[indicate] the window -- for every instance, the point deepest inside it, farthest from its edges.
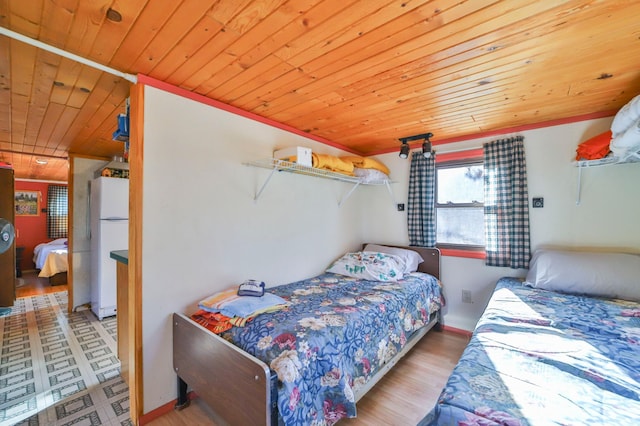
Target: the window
(57, 211)
(460, 204)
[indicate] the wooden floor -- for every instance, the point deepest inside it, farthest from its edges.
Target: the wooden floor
(29, 284)
(402, 397)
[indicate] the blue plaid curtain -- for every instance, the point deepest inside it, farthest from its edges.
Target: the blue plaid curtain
(506, 208)
(421, 212)
(57, 211)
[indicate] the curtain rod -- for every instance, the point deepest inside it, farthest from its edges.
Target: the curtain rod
(474, 147)
(37, 43)
(455, 150)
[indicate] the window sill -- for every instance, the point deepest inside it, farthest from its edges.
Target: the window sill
(472, 254)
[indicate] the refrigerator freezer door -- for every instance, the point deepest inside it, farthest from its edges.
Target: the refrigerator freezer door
(113, 197)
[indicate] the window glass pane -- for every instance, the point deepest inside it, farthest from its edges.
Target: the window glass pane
(463, 184)
(460, 225)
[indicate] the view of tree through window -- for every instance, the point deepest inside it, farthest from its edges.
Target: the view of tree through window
(460, 204)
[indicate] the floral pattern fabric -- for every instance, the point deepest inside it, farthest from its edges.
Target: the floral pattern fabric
(336, 333)
(370, 266)
(539, 357)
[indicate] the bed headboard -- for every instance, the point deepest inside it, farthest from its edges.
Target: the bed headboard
(431, 256)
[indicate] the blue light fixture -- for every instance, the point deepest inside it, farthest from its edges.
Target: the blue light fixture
(122, 132)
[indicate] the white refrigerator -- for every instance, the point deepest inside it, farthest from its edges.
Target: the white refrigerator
(109, 231)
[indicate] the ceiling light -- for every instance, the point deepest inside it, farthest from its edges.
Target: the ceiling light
(426, 146)
(41, 162)
(404, 150)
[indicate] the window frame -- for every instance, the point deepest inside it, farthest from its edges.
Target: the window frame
(452, 160)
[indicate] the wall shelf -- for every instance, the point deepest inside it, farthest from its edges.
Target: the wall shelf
(276, 165)
(606, 161)
(609, 160)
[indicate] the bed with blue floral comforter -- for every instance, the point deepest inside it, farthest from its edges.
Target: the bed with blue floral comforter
(539, 357)
(336, 333)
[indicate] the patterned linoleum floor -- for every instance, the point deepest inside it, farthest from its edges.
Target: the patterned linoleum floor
(58, 368)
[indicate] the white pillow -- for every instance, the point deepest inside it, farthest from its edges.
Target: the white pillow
(369, 266)
(614, 275)
(626, 116)
(627, 142)
(369, 175)
(411, 258)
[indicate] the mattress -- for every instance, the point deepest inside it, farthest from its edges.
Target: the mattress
(538, 357)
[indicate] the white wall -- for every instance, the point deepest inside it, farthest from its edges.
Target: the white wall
(202, 230)
(606, 217)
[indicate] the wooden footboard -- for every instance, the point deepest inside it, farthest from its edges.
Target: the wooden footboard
(233, 383)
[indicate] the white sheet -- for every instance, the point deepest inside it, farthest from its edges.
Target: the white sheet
(41, 251)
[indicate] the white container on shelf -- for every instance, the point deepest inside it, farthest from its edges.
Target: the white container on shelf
(302, 155)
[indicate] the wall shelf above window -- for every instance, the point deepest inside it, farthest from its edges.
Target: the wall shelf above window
(276, 165)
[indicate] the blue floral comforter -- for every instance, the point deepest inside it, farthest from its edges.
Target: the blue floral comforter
(545, 358)
(336, 333)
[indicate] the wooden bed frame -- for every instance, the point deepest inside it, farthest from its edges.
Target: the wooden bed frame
(203, 361)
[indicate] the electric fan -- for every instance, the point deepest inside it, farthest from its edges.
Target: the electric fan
(6, 235)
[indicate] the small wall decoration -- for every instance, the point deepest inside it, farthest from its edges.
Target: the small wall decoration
(27, 203)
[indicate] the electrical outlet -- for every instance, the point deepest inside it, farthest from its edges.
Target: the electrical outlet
(466, 296)
(538, 202)
(400, 207)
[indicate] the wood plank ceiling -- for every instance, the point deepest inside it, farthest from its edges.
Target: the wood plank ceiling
(360, 74)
